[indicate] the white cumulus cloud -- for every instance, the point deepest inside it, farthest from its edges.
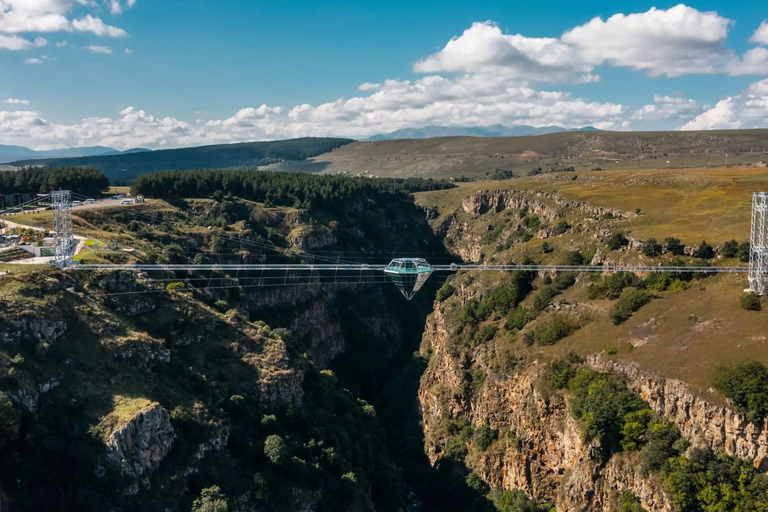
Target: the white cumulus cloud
(98, 27)
(667, 107)
(761, 34)
(20, 43)
(99, 49)
(15, 101)
(116, 6)
(748, 109)
(33, 61)
(464, 101)
(45, 16)
(672, 42)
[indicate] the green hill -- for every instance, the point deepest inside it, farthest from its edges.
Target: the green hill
(123, 168)
(444, 157)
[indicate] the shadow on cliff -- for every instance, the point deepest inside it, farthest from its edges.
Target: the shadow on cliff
(391, 384)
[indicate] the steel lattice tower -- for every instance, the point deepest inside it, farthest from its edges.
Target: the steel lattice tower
(62, 227)
(758, 244)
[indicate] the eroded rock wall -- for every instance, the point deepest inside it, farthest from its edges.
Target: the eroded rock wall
(547, 457)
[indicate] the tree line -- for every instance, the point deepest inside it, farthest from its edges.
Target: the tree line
(298, 190)
(37, 180)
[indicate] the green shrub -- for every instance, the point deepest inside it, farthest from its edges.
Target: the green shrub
(476, 483)
(611, 286)
(485, 437)
(633, 433)
(544, 298)
(554, 330)
(602, 404)
(746, 384)
(630, 503)
(677, 286)
(617, 241)
(658, 281)
(455, 449)
(574, 258)
(561, 227)
(175, 286)
(532, 222)
(275, 449)
(517, 319)
(478, 379)
(516, 501)
(445, 291)
(631, 300)
(750, 301)
(546, 248)
(549, 292)
(706, 482)
(221, 305)
(211, 500)
(560, 372)
(485, 334)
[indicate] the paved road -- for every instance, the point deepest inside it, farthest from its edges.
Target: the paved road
(99, 203)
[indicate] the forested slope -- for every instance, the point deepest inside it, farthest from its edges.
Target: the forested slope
(123, 168)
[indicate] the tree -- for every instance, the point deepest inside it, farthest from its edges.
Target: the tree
(704, 251)
(746, 384)
(674, 246)
(484, 437)
(561, 227)
(275, 449)
(744, 249)
(574, 258)
(631, 300)
(211, 500)
(731, 249)
(617, 241)
(630, 503)
(651, 248)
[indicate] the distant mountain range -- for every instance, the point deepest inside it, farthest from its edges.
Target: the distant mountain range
(495, 130)
(14, 153)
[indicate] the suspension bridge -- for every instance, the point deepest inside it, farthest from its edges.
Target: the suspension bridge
(409, 274)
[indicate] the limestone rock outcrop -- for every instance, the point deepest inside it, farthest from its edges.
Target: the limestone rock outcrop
(140, 445)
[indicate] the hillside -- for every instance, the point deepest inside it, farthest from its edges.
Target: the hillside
(428, 132)
(142, 399)
(497, 392)
(584, 151)
(123, 168)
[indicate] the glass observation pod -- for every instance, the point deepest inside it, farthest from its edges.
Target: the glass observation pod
(409, 274)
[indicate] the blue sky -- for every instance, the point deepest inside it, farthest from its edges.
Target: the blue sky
(174, 73)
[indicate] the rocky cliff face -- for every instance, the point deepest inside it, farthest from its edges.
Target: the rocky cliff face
(545, 455)
(546, 205)
(704, 424)
(142, 443)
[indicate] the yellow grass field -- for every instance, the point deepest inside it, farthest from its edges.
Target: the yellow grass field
(692, 204)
